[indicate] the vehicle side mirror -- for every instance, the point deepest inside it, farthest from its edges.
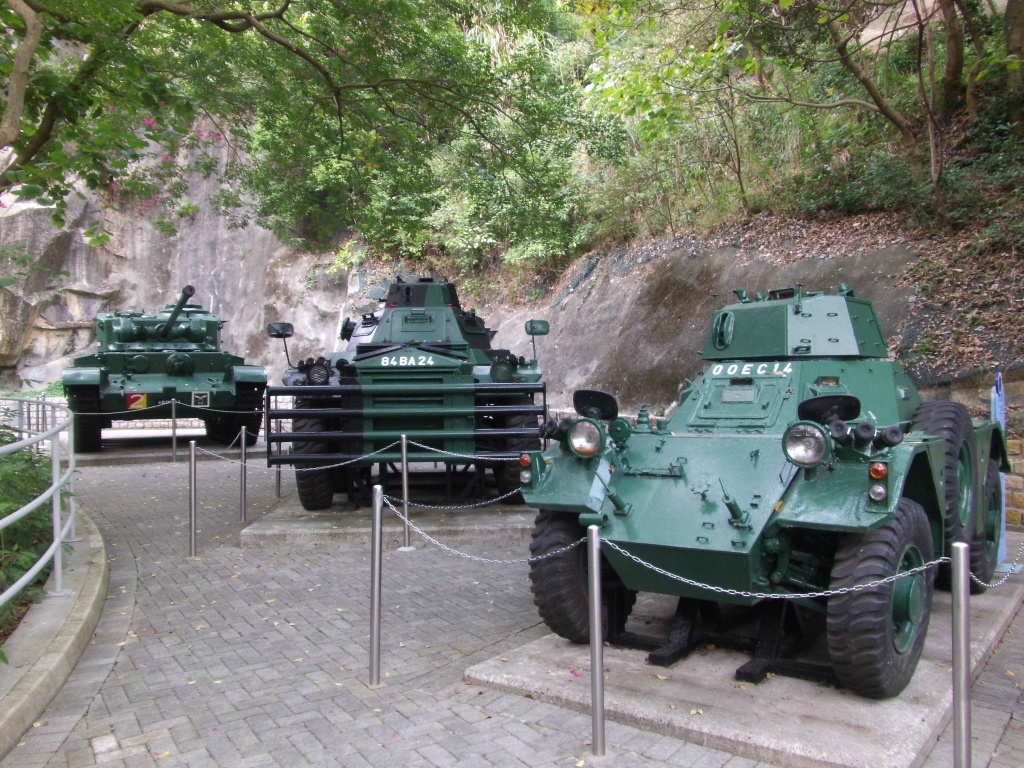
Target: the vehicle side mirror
(347, 328)
(595, 404)
(280, 330)
(537, 328)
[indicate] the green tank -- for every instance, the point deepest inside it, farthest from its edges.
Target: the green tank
(420, 366)
(145, 361)
(802, 461)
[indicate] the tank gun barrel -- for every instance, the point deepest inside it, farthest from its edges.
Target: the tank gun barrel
(186, 293)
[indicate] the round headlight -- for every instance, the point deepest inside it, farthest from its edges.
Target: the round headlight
(501, 371)
(806, 444)
(585, 437)
(319, 373)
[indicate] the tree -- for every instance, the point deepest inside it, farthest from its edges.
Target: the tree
(318, 98)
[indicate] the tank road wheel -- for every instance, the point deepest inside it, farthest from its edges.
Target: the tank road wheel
(507, 474)
(84, 401)
(985, 542)
(315, 486)
(559, 582)
(952, 422)
(875, 635)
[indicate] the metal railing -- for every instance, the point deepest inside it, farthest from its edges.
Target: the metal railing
(46, 428)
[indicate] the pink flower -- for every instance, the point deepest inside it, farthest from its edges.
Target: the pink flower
(166, 159)
(113, 186)
(111, 107)
(157, 198)
(220, 136)
(149, 122)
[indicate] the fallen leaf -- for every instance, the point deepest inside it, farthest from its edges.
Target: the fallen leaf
(661, 677)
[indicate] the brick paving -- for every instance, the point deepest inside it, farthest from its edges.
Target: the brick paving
(259, 657)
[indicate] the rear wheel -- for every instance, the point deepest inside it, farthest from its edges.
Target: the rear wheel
(876, 634)
(315, 485)
(952, 422)
(987, 529)
(84, 402)
(559, 581)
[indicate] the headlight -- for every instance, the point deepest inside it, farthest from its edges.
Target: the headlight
(806, 444)
(319, 373)
(525, 477)
(585, 437)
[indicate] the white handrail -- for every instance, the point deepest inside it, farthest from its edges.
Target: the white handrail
(49, 426)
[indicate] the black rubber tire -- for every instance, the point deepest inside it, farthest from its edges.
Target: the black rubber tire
(315, 486)
(84, 402)
(987, 529)
(876, 635)
(952, 422)
(559, 582)
(506, 475)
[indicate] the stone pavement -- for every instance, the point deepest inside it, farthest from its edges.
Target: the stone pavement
(259, 656)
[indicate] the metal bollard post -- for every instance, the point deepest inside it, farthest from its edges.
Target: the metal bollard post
(405, 495)
(961, 656)
(242, 479)
(58, 553)
(375, 563)
(596, 641)
(277, 471)
(174, 431)
(192, 498)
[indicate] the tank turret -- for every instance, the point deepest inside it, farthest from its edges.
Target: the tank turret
(164, 331)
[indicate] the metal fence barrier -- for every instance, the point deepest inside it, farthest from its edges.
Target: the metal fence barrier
(41, 426)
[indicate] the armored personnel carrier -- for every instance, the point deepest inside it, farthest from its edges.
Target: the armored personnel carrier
(802, 463)
(145, 361)
(420, 366)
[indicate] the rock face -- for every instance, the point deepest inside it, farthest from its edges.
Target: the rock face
(630, 321)
(245, 276)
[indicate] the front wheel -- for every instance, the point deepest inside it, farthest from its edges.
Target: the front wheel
(314, 485)
(876, 634)
(559, 581)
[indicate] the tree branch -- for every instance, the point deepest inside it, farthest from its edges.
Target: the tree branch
(17, 82)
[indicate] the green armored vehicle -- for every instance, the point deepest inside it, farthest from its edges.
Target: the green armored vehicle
(145, 361)
(801, 462)
(420, 366)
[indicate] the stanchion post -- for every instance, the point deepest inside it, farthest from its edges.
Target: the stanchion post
(596, 641)
(961, 656)
(405, 493)
(174, 430)
(375, 563)
(242, 480)
(192, 498)
(277, 472)
(58, 552)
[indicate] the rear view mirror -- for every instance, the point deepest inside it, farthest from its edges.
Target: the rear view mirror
(537, 327)
(280, 330)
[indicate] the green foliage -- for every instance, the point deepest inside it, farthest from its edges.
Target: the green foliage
(24, 475)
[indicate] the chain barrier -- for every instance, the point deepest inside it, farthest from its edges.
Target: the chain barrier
(299, 469)
(449, 507)
(445, 453)
(452, 551)
(197, 409)
(1007, 575)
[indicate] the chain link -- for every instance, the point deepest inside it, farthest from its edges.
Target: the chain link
(444, 507)
(458, 553)
(773, 595)
(448, 453)
(197, 410)
(301, 469)
(1007, 575)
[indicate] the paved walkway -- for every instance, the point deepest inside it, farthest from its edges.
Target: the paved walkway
(258, 657)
